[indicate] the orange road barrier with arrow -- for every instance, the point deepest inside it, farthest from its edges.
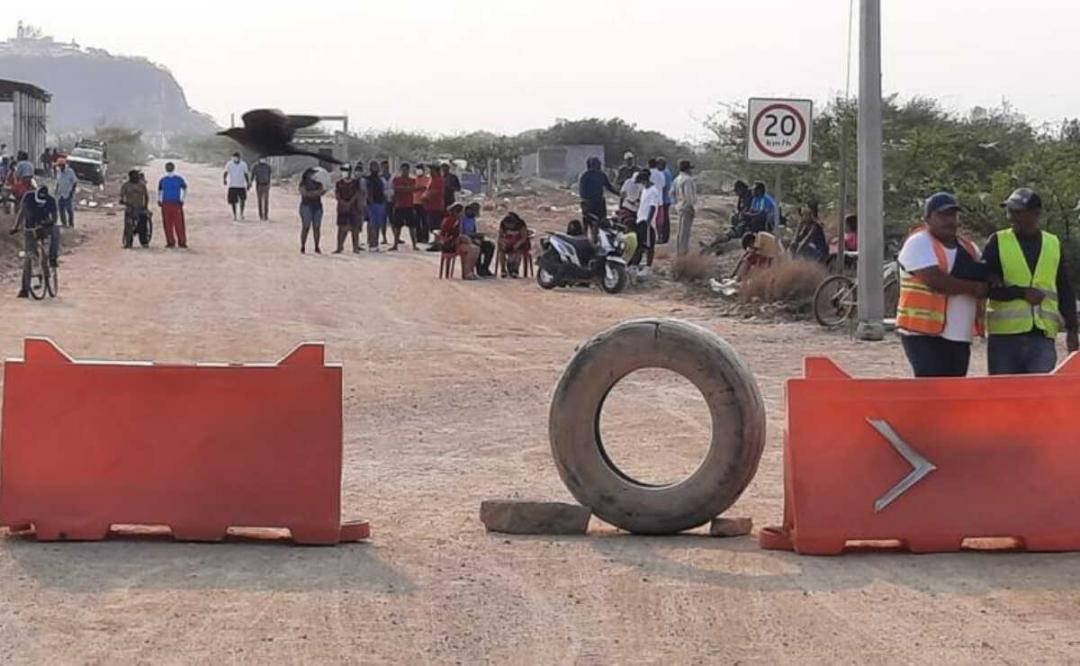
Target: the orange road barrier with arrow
(87, 445)
(929, 463)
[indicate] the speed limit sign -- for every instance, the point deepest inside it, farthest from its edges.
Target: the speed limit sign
(779, 131)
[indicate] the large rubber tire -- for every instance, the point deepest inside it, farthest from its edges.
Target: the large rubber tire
(729, 389)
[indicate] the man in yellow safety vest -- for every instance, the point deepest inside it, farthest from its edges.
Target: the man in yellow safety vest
(1031, 298)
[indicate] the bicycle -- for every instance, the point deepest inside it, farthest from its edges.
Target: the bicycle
(836, 298)
(44, 278)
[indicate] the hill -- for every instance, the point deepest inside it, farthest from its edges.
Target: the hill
(92, 87)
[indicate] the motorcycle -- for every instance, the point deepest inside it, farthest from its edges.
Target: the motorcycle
(567, 261)
(138, 222)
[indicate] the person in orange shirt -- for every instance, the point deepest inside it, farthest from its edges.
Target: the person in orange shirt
(421, 185)
(453, 240)
(435, 198)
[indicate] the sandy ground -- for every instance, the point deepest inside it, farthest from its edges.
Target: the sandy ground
(447, 390)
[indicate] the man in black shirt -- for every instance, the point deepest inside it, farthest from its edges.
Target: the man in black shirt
(1021, 328)
(452, 187)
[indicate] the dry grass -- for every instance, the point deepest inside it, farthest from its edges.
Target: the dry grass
(789, 281)
(693, 268)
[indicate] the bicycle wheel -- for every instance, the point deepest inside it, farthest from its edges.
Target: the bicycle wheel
(37, 265)
(834, 300)
(52, 280)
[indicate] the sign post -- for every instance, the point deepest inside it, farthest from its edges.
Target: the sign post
(871, 203)
(779, 131)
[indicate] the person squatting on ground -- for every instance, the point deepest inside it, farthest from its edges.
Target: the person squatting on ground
(262, 174)
(311, 209)
(685, 198)
(453, 240)
(1031, 297)
(237, 180)
(810, 242)
(347, 192)
(942, 292)
(135, 199)
(66, 185)
(376, 205)
(591, 187)
(404, 215)
(760, 251)
(37, 219)
(514, 244)
(471, 231)
(172, 190)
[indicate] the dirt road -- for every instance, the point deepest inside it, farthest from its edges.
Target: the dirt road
(447, 387)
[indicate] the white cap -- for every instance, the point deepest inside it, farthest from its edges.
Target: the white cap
(627, 155)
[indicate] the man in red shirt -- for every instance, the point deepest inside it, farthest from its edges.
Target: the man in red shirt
(404, 187)
(435, 199)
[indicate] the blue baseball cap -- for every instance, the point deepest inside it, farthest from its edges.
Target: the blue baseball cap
(940, 202)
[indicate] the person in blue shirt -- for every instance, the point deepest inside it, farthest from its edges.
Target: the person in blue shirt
(172, 188)
(663, 218)
(37, 218)
(764, 213)
(591, 188)
(487, 248)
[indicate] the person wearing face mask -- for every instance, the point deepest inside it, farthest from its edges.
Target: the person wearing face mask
(237, 178)
(262, 173)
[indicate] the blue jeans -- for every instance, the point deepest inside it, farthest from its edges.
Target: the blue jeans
(1022, 354)
(66, 210)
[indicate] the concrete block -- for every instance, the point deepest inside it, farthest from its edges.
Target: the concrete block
(518, 517)
(730, 527)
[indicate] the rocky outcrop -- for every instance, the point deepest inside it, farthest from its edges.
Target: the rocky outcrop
(93, 88)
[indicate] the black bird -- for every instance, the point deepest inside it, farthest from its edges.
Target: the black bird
(270, 132)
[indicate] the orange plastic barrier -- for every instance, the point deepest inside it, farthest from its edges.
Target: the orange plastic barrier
(930, 462)
(199, 448)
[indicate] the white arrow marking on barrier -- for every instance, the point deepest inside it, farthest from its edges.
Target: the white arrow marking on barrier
(921, 465)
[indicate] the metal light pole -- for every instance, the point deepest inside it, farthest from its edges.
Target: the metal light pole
(871, 195)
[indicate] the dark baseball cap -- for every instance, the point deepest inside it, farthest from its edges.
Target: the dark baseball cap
(940, 202)
(1021, 199)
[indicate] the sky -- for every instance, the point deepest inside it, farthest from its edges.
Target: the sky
(461, 65)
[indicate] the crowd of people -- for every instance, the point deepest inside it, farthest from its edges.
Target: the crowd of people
(418, 199)
(1016, 289)
(646, 196)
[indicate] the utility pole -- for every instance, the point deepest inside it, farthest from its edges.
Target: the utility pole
(871, 195)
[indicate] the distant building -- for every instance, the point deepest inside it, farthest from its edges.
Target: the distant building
(562, 164)
(29, 116)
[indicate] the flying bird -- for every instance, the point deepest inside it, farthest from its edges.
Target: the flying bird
(270, 132)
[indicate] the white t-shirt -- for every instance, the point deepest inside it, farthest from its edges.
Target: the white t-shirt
(652, 197)
(236, 174)
(631, 192)
(656, 176)
(918, 254)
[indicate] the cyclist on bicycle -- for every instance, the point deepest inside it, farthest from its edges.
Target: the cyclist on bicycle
(37, 218)
(136, 201)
